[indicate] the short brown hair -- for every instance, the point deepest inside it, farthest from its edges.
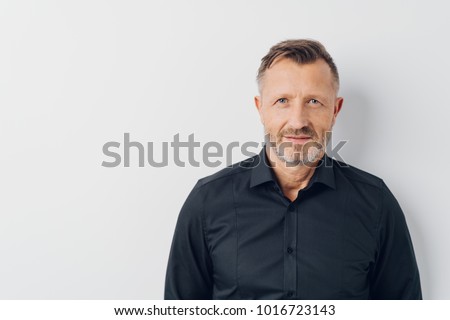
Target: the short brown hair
(302, 51)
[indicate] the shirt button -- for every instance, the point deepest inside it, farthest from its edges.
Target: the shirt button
(290, 250)
(290, 294)
(291, 208)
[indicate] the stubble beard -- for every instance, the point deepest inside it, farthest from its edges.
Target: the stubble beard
(292, 154)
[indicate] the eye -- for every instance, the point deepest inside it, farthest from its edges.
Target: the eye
(314, 101)
(282, 100)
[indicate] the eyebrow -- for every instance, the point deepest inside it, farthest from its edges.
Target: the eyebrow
(288, 95)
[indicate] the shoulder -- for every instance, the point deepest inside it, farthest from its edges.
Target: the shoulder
(238, 169)
(368, 188)
(357, 176)
(216, 190)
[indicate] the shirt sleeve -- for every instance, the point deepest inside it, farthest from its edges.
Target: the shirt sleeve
(189, 270)
(395, 274)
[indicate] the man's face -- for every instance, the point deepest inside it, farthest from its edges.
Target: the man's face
(297, 106)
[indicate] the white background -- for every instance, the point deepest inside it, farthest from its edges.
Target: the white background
(77, 74)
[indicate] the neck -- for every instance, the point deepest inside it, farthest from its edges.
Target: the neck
(290, 178)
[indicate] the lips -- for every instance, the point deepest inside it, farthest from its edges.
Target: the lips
(297, 139)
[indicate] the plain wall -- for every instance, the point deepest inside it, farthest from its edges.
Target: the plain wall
(77, 74)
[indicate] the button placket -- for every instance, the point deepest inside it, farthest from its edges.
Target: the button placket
(290, 258)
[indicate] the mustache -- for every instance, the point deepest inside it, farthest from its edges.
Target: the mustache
(307, 131)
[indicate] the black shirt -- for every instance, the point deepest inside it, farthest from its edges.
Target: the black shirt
(239, 237)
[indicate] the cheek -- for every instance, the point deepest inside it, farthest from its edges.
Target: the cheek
(273, 126)
(275, 120)
(323, 121)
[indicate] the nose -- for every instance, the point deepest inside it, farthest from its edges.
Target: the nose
(298, 117)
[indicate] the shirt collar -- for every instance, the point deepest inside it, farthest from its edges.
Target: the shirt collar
(262, 171)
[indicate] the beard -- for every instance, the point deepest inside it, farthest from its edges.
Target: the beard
(294, 154)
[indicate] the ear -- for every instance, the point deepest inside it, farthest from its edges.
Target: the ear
(258, 105)
(337, 107)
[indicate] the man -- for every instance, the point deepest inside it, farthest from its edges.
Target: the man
(292, 223)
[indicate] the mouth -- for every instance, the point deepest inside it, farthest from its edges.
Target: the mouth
(297, 139)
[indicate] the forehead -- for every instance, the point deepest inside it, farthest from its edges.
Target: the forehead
(285, 74)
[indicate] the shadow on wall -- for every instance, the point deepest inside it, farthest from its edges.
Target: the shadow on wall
(353, 125)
